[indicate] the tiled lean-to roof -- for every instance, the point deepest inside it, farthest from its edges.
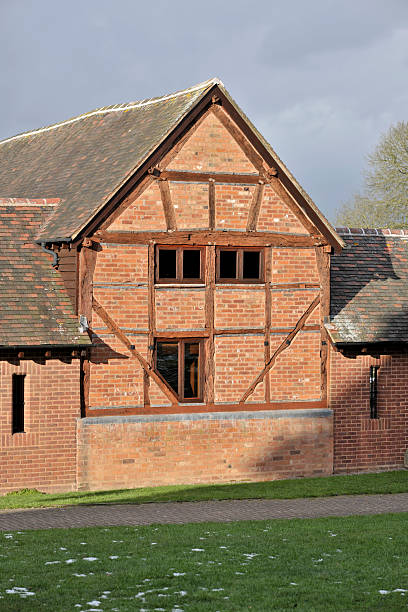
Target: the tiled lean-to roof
(84, 160)
(369, 287)
(35, 309)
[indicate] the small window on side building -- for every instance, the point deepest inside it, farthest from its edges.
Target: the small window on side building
(18, 403)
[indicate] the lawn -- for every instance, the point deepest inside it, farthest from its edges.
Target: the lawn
(345, 564)
(385, 482)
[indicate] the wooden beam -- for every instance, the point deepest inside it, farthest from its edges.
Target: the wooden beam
(151, 308)
(87, 262)
(204, 238)
(203, 177)
(268, 316)
(242, 331)
(211, 204)
(115, 329)
(255, 207)
(205, 408)
(169, 212)
(323, 265)
(284, 345)
(238, 136)
(209, 369)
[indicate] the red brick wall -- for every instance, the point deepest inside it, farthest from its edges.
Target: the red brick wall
(183, 450)
(43, 457)
(361, 443)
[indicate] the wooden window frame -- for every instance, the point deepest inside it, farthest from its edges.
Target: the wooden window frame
(179, 265)
(181, 343)
(240, 266)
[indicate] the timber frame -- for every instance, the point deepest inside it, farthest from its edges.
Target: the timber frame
(319, 238)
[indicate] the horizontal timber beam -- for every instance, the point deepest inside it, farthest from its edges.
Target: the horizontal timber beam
(203, 238)
(207, 408)
(204, 177)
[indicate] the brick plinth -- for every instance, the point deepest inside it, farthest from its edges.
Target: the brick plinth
(120, 452)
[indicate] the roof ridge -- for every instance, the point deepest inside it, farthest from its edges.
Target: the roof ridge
(372, 231)
(29, 201)
(116, 108)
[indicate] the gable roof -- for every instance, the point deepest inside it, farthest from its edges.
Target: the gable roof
(369, 287)
(35, 309)
(85, 160)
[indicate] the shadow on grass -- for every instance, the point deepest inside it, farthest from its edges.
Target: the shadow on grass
(387, 482)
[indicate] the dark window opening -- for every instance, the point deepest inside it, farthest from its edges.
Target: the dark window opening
(251, 267)
(180, 364)
(167, 363)
(373, 392)
(191, 369)
(18, 403)
(240, 265)
(179, 265)
(168, 263)
(191, 263)
(228, 264)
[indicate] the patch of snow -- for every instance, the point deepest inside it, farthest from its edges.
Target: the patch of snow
(79, 575)
(179, 573)
(383, 592)
(90, 559)
(51, 562)
(70, 561)
(197, 550)
(21, 591)
(114, 557)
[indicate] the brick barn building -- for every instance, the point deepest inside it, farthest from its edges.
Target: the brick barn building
(175, 309)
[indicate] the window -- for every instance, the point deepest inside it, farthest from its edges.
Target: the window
(18, 403)
(179, 265)
(240, 265)
(373, 392)
(180, 363)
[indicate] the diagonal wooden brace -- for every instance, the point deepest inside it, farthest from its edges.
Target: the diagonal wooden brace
(115, 329)
(284, 345)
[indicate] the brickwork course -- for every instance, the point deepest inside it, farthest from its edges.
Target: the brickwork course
(270, 358)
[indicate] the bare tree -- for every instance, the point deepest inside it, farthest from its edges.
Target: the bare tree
(384, 202)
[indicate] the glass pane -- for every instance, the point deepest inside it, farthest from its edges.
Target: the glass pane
(167, 263)
(167, 363)
(251, 264)
(191, 264)
(228, 264)
(191, 370)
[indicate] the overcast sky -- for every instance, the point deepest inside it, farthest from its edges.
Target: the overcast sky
(320, 79)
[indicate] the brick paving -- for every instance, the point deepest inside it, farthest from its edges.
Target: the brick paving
(197, 512)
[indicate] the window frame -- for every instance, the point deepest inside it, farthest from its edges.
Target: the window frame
(181, 351)
(179, 279)
(240, 266)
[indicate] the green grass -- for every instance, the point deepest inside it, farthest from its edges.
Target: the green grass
(322, 564)
(385, 482)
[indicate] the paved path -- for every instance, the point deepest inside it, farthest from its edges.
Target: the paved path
(198, 512)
